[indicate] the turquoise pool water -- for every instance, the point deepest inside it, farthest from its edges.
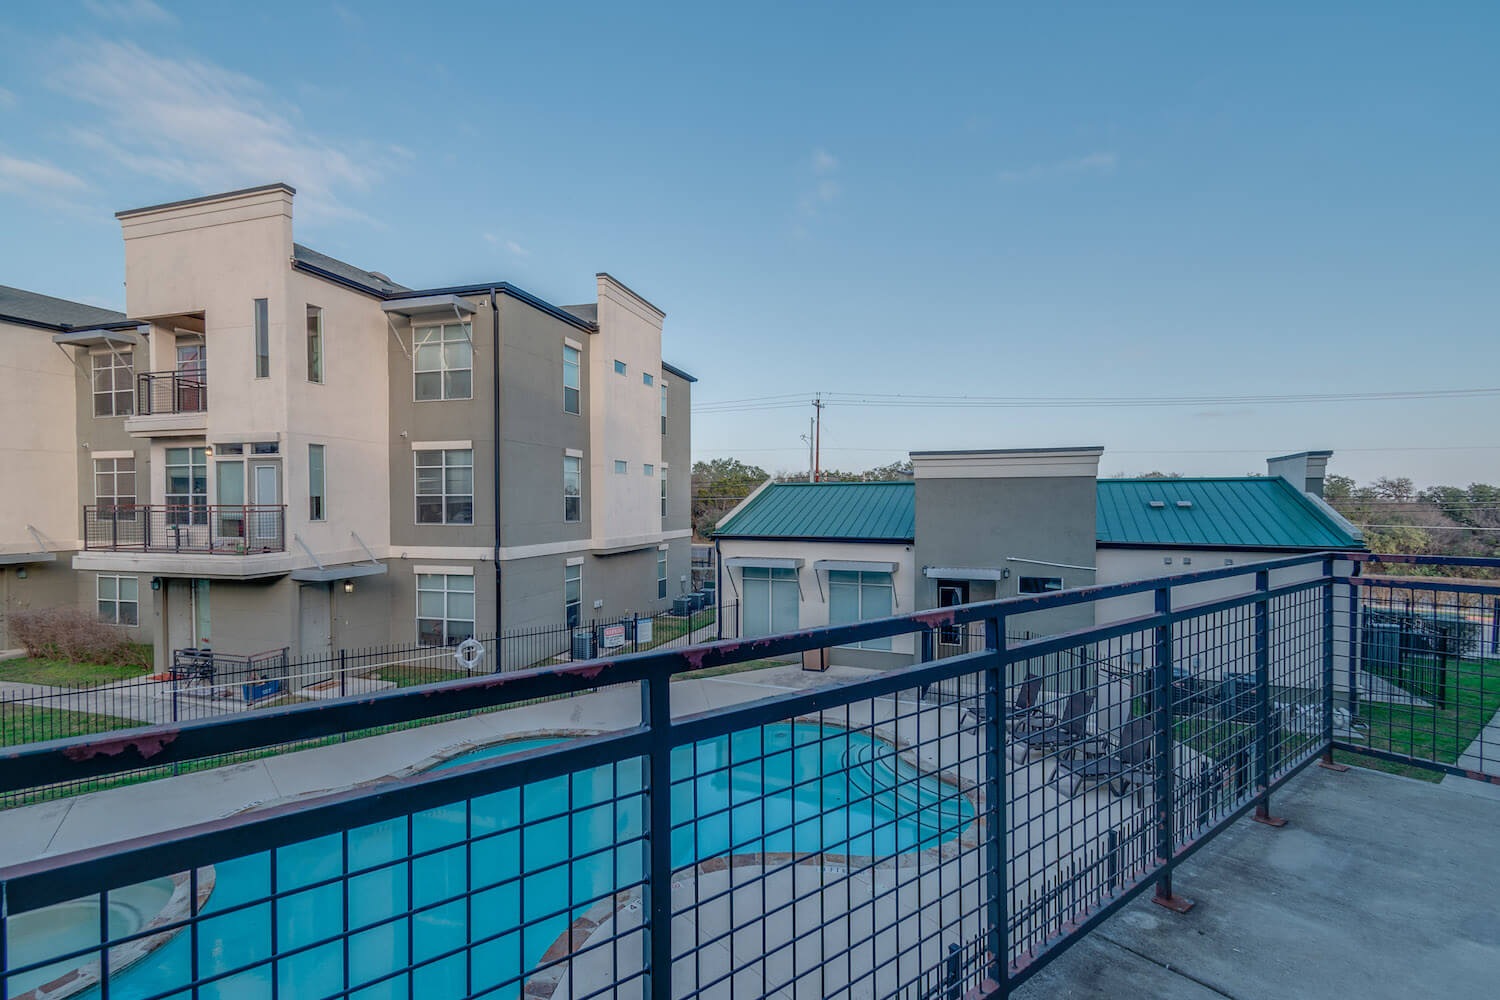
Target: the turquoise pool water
(780, 788)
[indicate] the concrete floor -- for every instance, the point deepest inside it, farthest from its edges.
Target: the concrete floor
(1379, 886)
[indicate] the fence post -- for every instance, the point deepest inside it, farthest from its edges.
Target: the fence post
(1263, 702)
(1328, 651)
(343, 675)
(955, 972)
(1353, 655)
(1165, 759)
(656, 716)
(998, 870)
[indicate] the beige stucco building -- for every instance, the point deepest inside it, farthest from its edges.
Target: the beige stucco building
(272, 448)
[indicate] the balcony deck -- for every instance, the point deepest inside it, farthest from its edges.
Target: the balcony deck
(1378, 886)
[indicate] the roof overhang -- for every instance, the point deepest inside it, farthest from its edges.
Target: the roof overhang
(428, 305)
(857, 565)
(98, 336)
(23, 558)
(331, 574)
(762, 562)
(674, 370)
(964, 573)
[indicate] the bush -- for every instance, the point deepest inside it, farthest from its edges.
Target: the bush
(74, 634)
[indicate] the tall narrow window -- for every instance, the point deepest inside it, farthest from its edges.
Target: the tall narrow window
(229, 481)
(314, 344)
(445, 608)
(573, 594)
(572, 488)
(114, 488)
(262, 338)
(443, 367)
(661, 573)
(664, 408)
(445, 486)
(187, 486)
(317, 509)
(664, 492)
(114, 396)
(571, 384)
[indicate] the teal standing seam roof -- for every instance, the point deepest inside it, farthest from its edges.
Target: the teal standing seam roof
(1249, 512)
(868, 512)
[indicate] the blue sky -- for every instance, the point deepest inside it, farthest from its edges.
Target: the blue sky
(996, 200)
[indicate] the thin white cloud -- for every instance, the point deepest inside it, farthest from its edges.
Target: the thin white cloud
(517, 249)
(34, 175)
(178, 119)
(491, 238)
(1092, 163)
(8, 99)
(138, 11)
(824, 162)
(825, 188)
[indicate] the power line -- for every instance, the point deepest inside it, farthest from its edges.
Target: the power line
(1428, 527)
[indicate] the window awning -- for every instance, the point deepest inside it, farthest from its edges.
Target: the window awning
(963, 573)
(424, 305)
(763, 562)
(330, 574)
(22, 558)
(96, 337)
(856, 565)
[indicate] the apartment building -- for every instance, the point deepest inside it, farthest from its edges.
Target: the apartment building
(279, 449)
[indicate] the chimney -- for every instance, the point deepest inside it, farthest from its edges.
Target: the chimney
(1304, 470)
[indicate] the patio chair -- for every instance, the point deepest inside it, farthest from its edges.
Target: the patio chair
(1071, 733)
(1025, 713)
(1130, 764)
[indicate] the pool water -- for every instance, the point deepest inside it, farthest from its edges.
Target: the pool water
(785, 787)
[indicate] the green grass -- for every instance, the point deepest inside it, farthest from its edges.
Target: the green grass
(66, 673)
(731, 668)
(404, 675)
(668, 628)
(1437, 734)
(21, 723)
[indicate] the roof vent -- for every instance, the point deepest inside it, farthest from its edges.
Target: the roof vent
(1184, 505)
(1156, 504)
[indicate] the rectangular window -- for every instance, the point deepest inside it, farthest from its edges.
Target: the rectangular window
(647, 468)
(119, 600)
(664, 492)
(573, 595)
(664, 408)
(317, 509)
(445, 609)
(859, 597)
(769, 600)
(571, 383)
(114, 394)
(262, 339)
(647, 378)
(187, 485)
(114, 487)
(572, 488)
(265, 448)
(1039, 584)
(621, 467)
(445, 486)
(619, 368)
(661, 573)
(229, 449)
(314, 344)
(443, 366)
(229, 481)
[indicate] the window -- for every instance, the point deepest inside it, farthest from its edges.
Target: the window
(647, 378)
(664, 492)
(621, 467)
(113, 393)
(317, 509)
(114, 487)
(619, 368)
(572, 488)
(314, 344)
(262, 339)
(1039, 584)
(769, 599)
(187, 485)
(571, 383)
(119, 600)
(229, 480)
(445, 486)
(265, 448)
(661, 573)
(229, 449)
(573, 594)
(858, 597)
(664, 408)
(647, 468)
(445, 609)
(443, 367)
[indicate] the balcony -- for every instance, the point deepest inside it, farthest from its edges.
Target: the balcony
(203, 529)
(169, 404)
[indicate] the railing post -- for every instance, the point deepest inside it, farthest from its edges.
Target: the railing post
(1164, 758)
(1263, 702)
(1328, 656)
(656, 716)
(996, 865)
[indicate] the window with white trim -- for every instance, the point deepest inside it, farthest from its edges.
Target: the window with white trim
(572, 372)
(317, 504)
(619, 368)
(314, 344)
(445, 486)
(647, 378)
(661, 573)
(114, 487)
(857, 597)
(572, 488)
(647, 468)
(119, 600)
(262, 338)
(445, 608)
(114, 390)
(187, 485)
(663, 492)
(573, 594)
(443, 362)
(621, 467)
(664, 408)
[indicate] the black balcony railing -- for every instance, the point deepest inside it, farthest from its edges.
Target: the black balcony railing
(157, 393)
(203, 529)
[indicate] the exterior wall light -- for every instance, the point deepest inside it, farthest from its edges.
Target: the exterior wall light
(348, 586)
(21, 573)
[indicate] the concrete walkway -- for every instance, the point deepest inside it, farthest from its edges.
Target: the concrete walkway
(1483, 755)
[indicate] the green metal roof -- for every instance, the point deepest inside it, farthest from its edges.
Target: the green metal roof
(867, 512)
(1253, 512)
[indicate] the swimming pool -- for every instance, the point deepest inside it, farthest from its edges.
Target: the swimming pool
(785, 787)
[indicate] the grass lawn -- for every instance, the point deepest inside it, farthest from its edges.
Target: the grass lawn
(65, 673)
(1436, 734)
(731, 668)
(405, 675)
(33, 724)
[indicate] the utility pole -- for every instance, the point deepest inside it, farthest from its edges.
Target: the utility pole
(817, 436)
(808, 437)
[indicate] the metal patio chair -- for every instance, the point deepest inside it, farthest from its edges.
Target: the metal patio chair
(1129, 764)
(1071, 733)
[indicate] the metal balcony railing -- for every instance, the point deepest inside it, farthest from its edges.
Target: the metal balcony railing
(158, 393)
(201, 529)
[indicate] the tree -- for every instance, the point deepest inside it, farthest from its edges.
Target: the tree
(1398, 489)
(718, 485)
(1336, 488)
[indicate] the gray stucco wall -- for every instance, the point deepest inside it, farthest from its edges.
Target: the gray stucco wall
(984, 523)
(677, 452)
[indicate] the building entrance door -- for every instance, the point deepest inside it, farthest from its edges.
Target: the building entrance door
(952, 593)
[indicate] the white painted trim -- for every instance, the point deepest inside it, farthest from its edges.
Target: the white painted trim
(1056, 565)
(573, 452)
(1006, 465)
(478, 553)
(663, 547)
(575, 561)
(112, 454)
(444, 570)
(441, 445)
(573, 344)
(587, 544)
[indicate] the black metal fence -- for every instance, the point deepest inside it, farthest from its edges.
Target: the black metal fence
(201, 529)
(857, 839)
(170, 392)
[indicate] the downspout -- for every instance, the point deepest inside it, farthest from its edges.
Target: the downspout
(495, 448)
